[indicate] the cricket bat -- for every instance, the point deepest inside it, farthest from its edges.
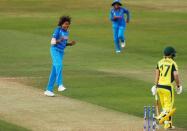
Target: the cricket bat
(167, 116)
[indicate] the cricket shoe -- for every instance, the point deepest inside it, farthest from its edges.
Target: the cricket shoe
(168, 125)
(49, 93)
(123, 44)
(61, 88)
(162, 114)
(166, 116)
(118, 51)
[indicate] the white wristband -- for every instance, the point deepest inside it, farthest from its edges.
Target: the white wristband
(53, 41)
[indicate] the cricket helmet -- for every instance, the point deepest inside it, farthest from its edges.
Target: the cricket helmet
(169, 51)
(116, 2)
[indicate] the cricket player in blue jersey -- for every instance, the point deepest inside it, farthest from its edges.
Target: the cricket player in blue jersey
(117, 16)
(59, 42)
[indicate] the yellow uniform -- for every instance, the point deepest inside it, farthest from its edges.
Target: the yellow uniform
(166, 74)
(165, 88)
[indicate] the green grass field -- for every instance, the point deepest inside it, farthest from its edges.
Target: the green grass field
(92, 71)
(5, 126)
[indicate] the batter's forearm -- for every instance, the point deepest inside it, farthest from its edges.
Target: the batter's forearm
(156, 77)
(156, 80)
(177, 80)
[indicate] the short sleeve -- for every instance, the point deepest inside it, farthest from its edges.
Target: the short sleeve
(125, 10)
(174, 67)
(157, 66)
(56, 33)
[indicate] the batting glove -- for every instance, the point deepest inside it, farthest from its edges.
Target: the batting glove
(179, 90)
(153, 90)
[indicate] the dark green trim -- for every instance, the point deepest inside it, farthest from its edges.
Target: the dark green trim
(164, 86)
(172, 71)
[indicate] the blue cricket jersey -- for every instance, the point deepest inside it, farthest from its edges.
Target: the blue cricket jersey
(120, 12)
(58, 34)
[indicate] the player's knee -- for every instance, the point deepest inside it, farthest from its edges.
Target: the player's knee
(120, 36)
(58, 65)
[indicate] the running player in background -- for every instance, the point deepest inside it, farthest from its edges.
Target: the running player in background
(166, 74)
(117, 16)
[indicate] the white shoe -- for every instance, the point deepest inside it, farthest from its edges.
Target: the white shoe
(168, 125)
(61, 88)
(123, 44)
(172, 128)
(49, 93)
(118, 51)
